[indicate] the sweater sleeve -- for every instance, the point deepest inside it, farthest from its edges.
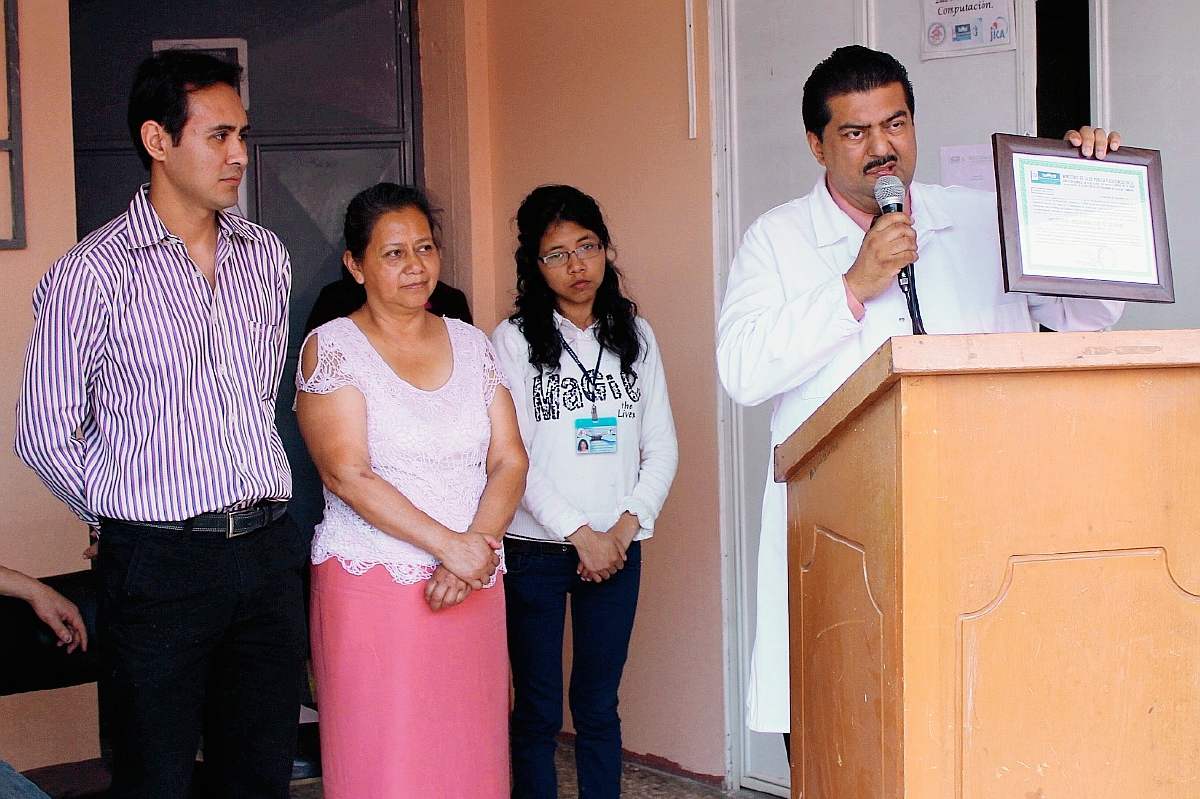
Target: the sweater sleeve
(657, 441)
(1066, 314)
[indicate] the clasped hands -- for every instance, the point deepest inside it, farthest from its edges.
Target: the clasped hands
(602, 554)
(891, 244)
(468, 561)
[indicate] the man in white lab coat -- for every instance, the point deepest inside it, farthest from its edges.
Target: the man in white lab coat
(813, 292)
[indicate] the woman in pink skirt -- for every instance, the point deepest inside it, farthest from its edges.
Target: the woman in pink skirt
(410, 423)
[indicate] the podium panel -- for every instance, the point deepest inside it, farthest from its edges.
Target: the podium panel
(994, 565)
(1092, 655)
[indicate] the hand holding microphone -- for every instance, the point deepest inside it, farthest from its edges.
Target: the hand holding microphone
(888, 251)
(889, 246)
(889, 193)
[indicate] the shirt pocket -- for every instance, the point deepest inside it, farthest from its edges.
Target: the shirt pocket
(256, 350)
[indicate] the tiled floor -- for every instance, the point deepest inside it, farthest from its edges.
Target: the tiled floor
(637, 783)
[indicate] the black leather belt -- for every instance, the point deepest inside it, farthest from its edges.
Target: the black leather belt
(525, 546)
(230, 524)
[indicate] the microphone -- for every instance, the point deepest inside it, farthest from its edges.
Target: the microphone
(889, 193)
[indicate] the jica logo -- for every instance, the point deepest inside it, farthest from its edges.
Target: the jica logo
(999, 30)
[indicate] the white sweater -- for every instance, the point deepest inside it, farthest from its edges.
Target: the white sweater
(566, 490)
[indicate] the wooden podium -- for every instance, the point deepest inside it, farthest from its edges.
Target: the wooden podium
(994, 571)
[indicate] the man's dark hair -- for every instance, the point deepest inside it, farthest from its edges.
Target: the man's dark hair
(161, 88)
(849, 70)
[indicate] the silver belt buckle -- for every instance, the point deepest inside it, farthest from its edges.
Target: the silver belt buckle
(229, 533)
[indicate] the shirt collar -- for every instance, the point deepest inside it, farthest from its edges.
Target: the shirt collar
(568, 331)
(858, 217)
(928, 213)
(146, 228)
(237, 226)
(831, 223)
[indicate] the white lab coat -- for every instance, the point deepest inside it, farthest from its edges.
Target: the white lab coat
(786, 334)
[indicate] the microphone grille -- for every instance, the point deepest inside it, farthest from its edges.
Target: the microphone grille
(889, 190)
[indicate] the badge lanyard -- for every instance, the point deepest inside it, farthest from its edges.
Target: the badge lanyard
(589, 393)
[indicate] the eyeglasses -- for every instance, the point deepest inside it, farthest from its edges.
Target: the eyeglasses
(583, 252)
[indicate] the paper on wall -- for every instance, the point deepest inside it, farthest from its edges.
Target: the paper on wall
(966, 27)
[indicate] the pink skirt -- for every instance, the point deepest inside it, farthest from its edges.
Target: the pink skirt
(413, 703)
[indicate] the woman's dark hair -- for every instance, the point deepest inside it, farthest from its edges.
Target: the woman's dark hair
(616, 330)
(849, 70)
(161, 88)
(370, 204)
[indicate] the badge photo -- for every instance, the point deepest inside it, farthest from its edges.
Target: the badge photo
(595, 436)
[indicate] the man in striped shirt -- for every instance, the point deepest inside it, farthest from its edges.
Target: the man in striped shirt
(148, 406)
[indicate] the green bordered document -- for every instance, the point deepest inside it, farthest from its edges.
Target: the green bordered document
(1082, 227)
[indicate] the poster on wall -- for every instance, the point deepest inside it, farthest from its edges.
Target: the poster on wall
(969, 165)
(966, 27)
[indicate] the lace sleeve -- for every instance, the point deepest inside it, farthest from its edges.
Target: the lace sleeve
(493, 372)
(330, 373)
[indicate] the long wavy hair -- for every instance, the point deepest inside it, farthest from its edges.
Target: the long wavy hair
(616, 330)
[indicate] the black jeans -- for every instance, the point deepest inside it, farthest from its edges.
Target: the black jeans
(200, 632)
(536, 588)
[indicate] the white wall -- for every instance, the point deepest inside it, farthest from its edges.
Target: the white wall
(1155, 103)
(776, 45)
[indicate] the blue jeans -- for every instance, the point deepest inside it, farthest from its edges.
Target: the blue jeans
(536, 589)
(199, 632)
(14, 786)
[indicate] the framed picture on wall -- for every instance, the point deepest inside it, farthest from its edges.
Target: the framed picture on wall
(1082, 227)
(232, 50)
(12, 172)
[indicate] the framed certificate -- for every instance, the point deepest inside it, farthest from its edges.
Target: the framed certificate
(1081, 227)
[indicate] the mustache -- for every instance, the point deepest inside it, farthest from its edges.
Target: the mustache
(878, 162)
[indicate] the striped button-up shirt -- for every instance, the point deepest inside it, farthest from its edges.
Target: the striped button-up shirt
(149, 395)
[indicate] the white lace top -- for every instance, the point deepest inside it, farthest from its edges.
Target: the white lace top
(431, 445)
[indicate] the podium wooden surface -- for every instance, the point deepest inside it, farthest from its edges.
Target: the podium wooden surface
(994, 571)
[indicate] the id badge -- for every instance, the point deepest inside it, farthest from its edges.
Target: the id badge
(595, 436)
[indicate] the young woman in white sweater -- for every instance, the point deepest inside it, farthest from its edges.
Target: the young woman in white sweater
(591, 398)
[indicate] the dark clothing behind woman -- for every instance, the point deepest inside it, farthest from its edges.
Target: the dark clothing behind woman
(345, 296)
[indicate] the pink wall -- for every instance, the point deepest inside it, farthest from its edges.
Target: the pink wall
(454, 83)
(38, 535)
(596, 95)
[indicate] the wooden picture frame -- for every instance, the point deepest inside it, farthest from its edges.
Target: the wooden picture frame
(12, 184)
(1082, 227)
